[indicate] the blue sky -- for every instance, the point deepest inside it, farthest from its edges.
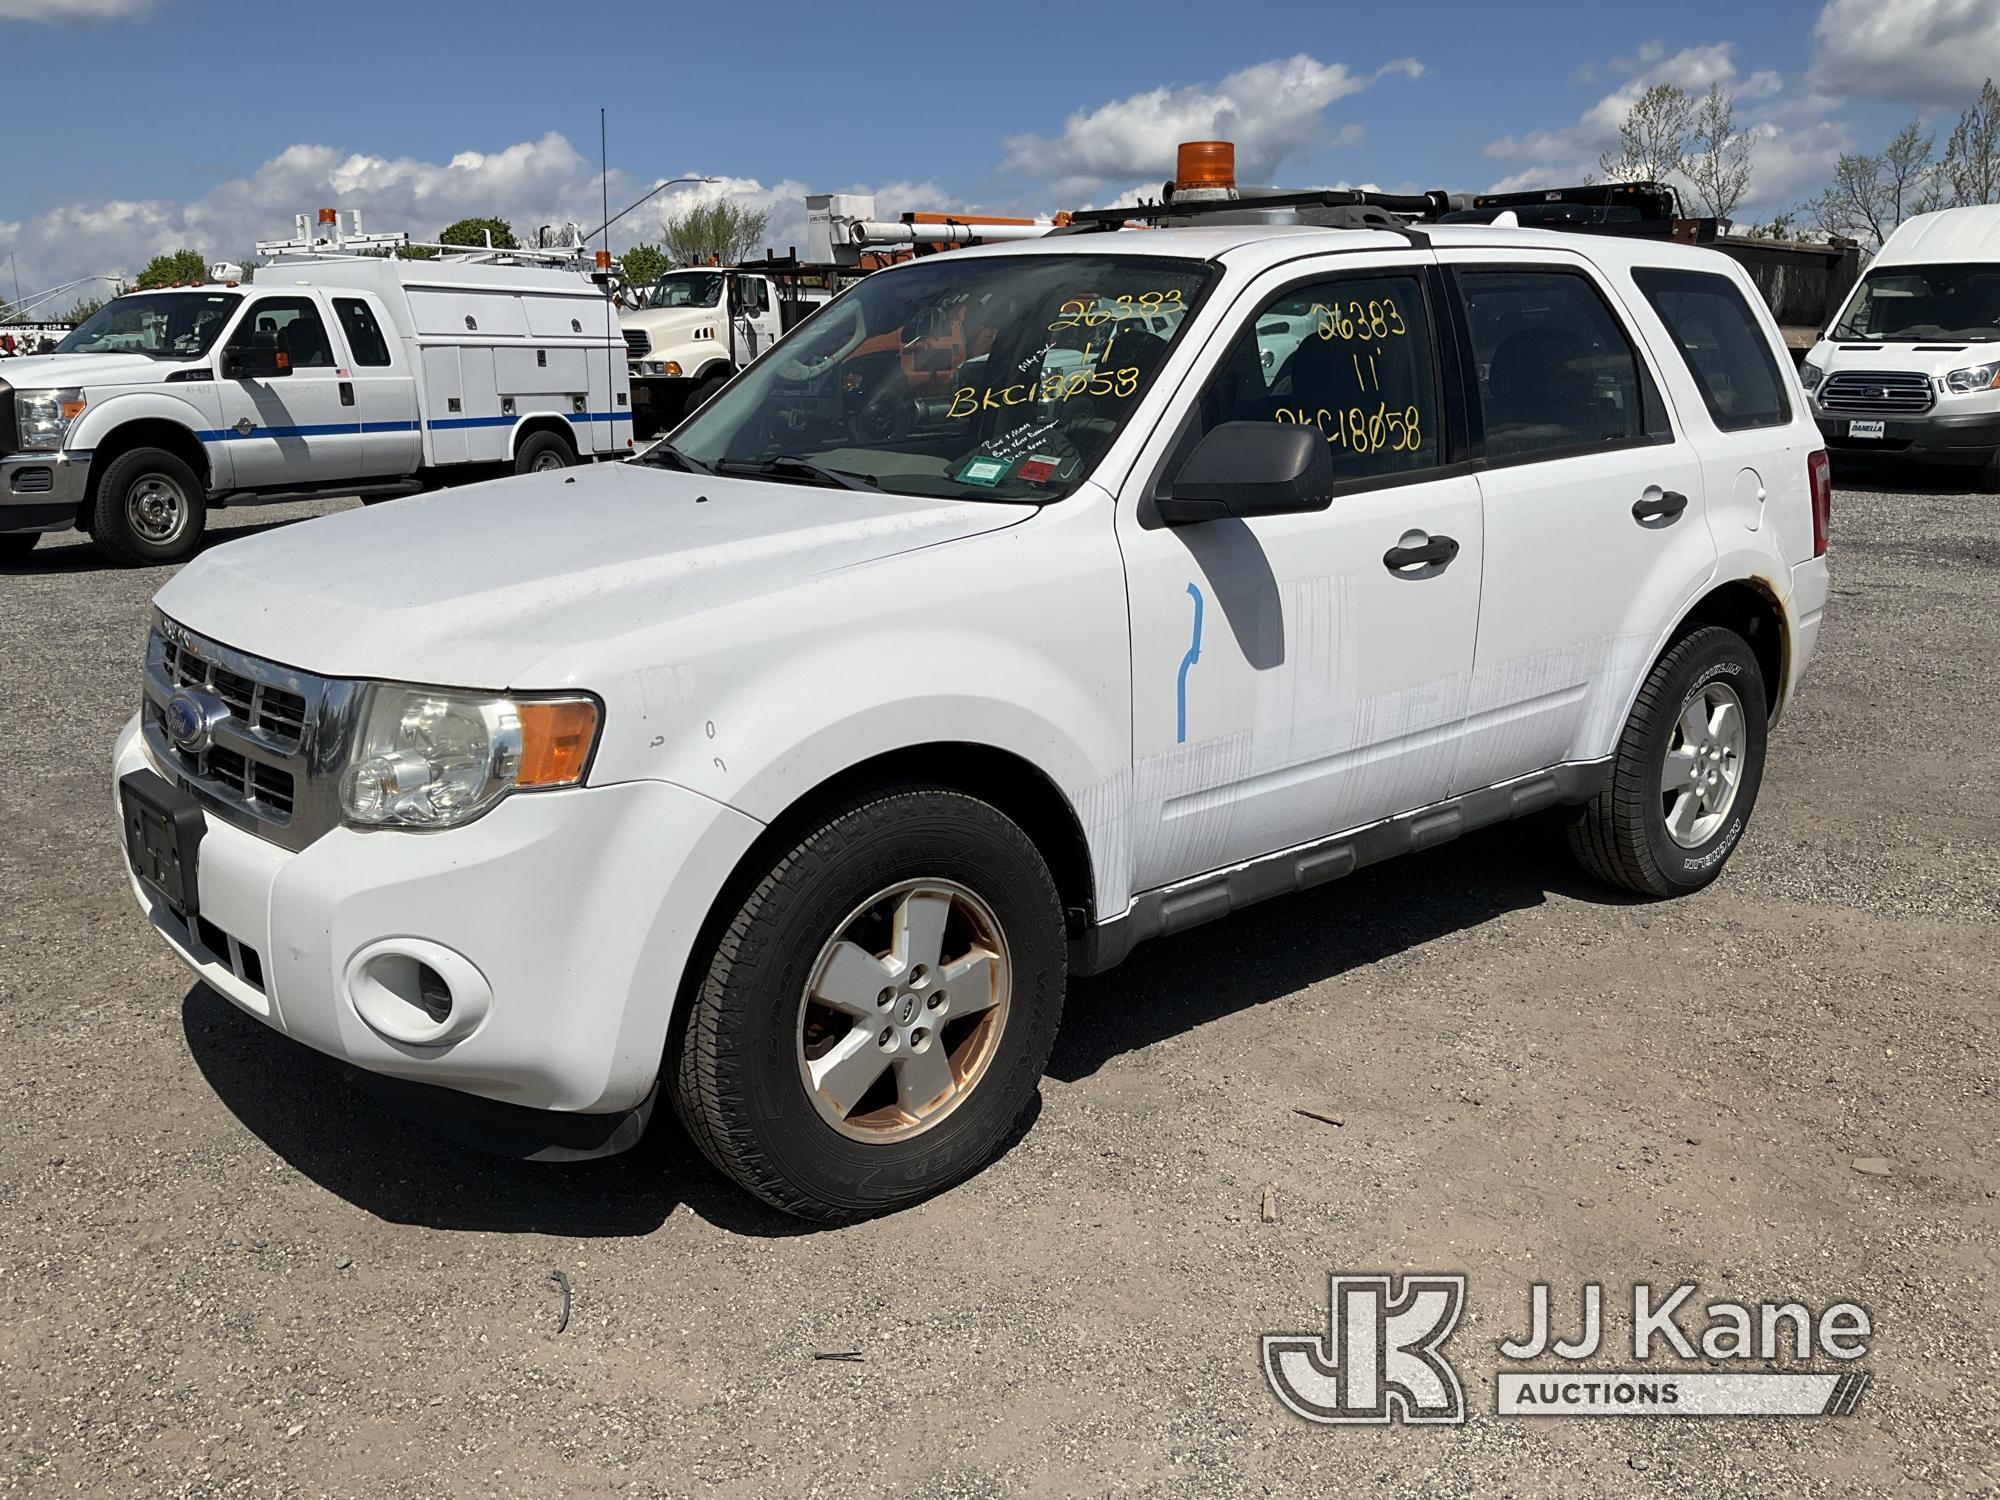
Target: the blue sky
(134, 125)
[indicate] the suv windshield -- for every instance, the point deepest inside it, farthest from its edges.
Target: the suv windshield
(687, 289)
(973, 377)
(165, 325)
(1911, 304)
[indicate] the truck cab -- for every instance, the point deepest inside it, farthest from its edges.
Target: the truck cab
(1910, 366)
(698, 326)
(330, 376)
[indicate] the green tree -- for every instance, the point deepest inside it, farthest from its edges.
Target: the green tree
(474, 232)
(1719, 162)
(164, 270)
(719, 231)
(1653, 136)
(85, 307)
(1972, 156)
(642, 265)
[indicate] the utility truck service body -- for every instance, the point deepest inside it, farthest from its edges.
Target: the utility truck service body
(1910, 366)
(346, 374)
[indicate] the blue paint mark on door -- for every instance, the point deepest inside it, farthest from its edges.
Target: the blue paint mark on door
(1180, 686)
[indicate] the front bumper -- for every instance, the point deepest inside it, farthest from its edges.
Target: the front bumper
(579, 909)
(1934, 437)
(41, 491)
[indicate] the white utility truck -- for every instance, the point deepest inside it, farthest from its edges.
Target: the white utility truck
(701, 324)
(1910, 366)
(336, 373)
(789, 771)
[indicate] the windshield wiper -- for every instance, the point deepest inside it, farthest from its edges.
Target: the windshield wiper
(669, 454)
(788, 465)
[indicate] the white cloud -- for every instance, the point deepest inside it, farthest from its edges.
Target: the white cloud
(1795, 140)
(1935, 52)
(1271, 111)
(73, 12)
(529, 184)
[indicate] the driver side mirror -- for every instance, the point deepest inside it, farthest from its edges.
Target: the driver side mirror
(1251, 469)
(260, 359)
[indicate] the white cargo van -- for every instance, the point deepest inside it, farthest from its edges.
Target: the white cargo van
(1911, 366)
(331, 375)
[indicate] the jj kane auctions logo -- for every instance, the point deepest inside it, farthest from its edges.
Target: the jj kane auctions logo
(1381, 1358)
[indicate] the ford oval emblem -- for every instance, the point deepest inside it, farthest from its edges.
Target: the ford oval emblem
(191, 716)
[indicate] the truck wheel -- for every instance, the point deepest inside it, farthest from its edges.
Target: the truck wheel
(1686, 772)
(540, 452)
(151, 509)
(703, 393)
(876, 1014)
(16, 545)
(1987, 479)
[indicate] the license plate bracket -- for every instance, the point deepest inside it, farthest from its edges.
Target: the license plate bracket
(1860, 428)
(163, 829)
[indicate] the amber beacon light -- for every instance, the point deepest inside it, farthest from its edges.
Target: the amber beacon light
(1205, 164)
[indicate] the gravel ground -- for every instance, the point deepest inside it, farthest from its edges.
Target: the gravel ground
(224, 1272)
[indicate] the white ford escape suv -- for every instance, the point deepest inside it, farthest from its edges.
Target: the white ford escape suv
(791, 771)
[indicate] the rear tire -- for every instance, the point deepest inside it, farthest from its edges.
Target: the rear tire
(834, 1109)
(150, 509)
(1686, 773)
(543, 453)
(16, 545)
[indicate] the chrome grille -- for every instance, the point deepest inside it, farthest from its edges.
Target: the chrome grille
(637, 345)
(271, 763)
(1877, 392)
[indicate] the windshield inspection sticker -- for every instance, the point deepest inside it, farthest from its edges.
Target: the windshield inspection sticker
(983, 470)
(1038, 468)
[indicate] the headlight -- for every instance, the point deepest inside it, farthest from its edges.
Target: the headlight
(432, 758)
(44, 417)
(1978, 378)
(1810, 375)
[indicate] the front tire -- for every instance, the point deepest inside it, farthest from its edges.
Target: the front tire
(876, 1015)
(1686, 773)
(150, 509)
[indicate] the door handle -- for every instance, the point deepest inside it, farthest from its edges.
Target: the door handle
(346, 393)
(1425, 559)
(1658, 505)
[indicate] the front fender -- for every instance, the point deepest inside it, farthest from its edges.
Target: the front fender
(1014, 640)
(115, 409)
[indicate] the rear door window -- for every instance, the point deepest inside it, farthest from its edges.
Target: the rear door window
(364, 334)
(1722, 345)
(1556, 370)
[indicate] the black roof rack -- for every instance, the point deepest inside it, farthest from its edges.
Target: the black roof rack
(1409, 205)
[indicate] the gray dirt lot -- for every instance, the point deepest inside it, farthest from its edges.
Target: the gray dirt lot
(223, 1272)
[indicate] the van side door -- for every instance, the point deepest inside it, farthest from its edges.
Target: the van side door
(1593, 502)
(380, 388)
(291, 431)
(1295, 676)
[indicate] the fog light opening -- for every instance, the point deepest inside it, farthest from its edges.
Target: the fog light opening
(417, 992)
(433, 994)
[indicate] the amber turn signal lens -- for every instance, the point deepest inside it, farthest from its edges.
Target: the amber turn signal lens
(556, 737)
(1205, 164)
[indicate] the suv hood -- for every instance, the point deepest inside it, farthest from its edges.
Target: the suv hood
(41, 371)
(509, 584)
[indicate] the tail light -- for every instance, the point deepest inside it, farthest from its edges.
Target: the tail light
(1820, 468)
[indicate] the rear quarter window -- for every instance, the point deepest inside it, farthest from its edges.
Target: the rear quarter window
(1723, 346)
